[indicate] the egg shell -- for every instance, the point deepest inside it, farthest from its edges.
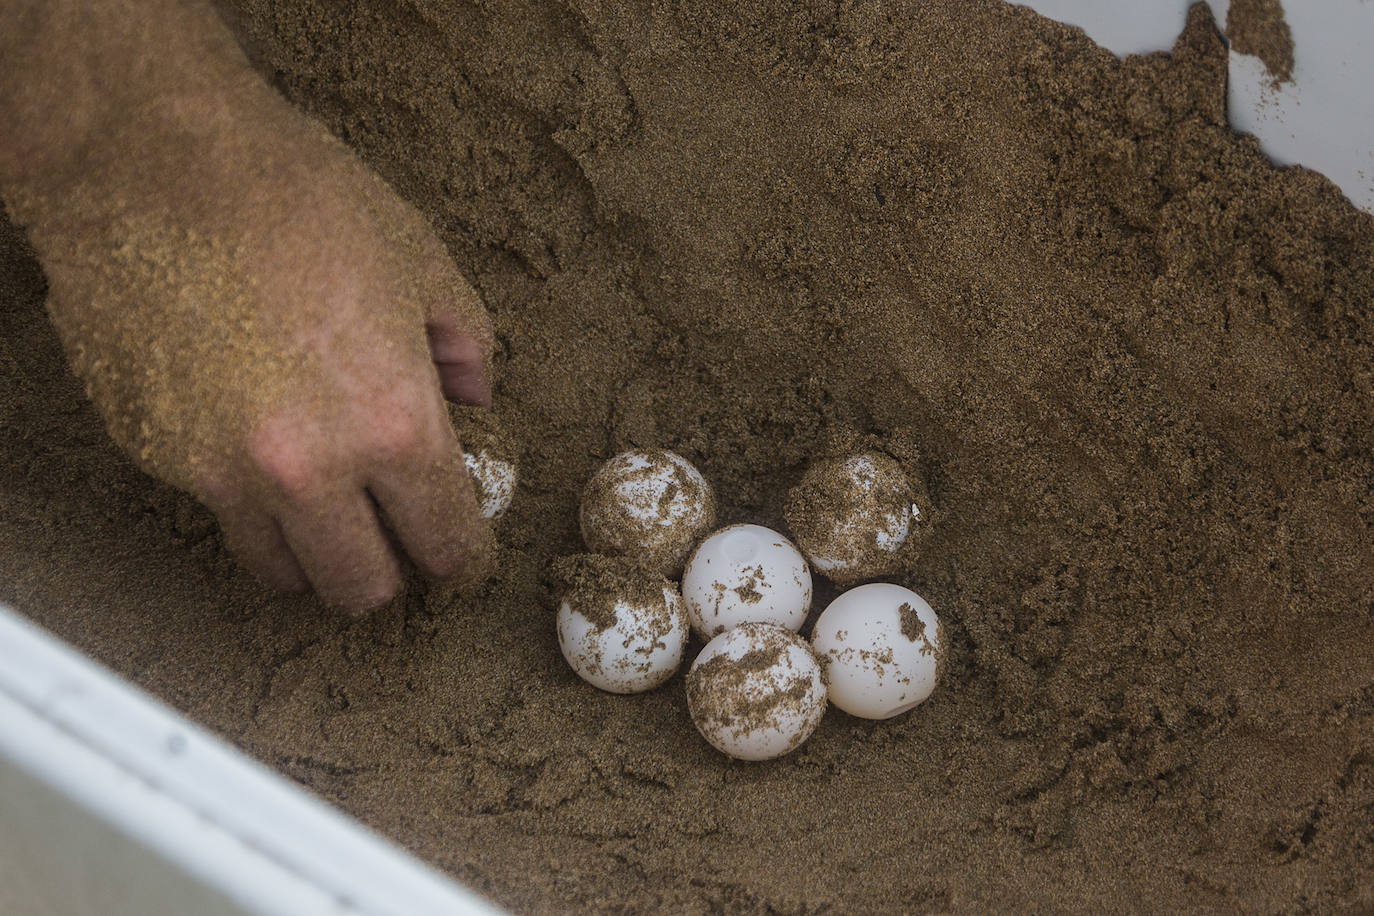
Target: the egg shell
(650, 505)
(493, 480)
(756, 692)
(851, 515)
(624, 639)
(880, 646)
(746, 574)
(489, 455)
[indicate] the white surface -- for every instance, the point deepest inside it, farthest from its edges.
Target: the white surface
(639, 653)
(494, 480)
(1323, 119)
(1121, 26)
(744, 574)
(112, 803)
(874, 670)
(791, 718)
(56, 859)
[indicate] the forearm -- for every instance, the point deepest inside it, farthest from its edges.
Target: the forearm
(79, 75)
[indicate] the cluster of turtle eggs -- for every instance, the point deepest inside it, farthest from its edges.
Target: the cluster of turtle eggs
(757, 690)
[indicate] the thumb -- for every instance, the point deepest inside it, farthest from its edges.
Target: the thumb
(462, 358)
(461, 342)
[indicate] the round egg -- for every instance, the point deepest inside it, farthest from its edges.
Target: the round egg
(621, 627)
(851, 515)
(651, 505)
(880, 646)
(488, 456)
(493, 479)
(756, 692)
(746, 574)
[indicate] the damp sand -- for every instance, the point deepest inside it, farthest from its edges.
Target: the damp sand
(1133, 363)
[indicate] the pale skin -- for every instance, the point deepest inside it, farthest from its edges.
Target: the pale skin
(330, 460)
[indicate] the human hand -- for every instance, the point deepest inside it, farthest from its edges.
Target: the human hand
(264, 323)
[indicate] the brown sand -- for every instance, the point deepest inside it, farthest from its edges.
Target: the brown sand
(1133, 362)
(1257, 27)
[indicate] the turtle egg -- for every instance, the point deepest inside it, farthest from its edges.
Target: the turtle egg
(851, 515)
(493, 479)
(880, 646)
(746, 574)
(488, 456)
(756, 692)
(651, 505)
(621, 627)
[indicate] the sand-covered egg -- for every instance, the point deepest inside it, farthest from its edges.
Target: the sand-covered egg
(746, 574)
(493, 479)
(621, 627)
(650, 505)
(488, 456)
(880, 646)
(850, 515)
(756, 692)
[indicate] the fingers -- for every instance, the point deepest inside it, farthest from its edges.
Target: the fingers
(256, 540)
(461, 360)
(325, 517)
(421, 484)
(348, 495)
(434, 514)
(332, 538)
(342, 549)
(460, 335)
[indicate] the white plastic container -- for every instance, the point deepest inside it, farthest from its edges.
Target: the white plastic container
(113, 804)
(1322, 119)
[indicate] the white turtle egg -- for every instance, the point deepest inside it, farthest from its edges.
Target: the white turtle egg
(622, 628)
(756, 692)
(746, 574)
(880, 647)
(493, 479)
(489, 455)
(651, 505)
(851, 515)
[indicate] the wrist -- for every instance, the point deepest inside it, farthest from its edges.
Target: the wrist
(85, 84)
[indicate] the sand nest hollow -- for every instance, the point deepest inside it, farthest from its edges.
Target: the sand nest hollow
(1130, 359)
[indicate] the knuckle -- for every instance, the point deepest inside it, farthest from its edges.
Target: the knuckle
(285, 461)
(433, 254)
(395, 436)
(484, 331)
(397, 433)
